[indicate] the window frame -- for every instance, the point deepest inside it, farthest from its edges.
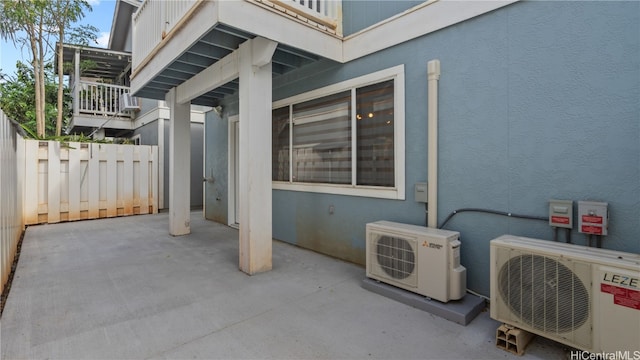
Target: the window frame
(397, 192)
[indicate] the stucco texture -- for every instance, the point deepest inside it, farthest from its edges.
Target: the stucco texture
(538, 101)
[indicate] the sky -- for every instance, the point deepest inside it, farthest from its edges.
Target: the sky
(100, 17)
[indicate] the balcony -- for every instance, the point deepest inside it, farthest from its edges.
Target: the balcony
(98, 79)
(98, 99)
(175, 40)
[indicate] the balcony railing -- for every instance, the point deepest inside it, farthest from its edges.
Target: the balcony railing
(98, 99)
(156, 19)
(324, 12)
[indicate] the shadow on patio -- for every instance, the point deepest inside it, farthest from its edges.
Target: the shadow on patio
(124, 288)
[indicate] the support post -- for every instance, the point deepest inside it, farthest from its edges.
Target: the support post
(76, 83)
(179, 165)
(255, 155)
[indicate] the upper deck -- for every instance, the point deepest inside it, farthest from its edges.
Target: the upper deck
(175, 40)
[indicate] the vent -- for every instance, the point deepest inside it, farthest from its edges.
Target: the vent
(580, 296)
(544, 293)
(128, 103)
(396, 257)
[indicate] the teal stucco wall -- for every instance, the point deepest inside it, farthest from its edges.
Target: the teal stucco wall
(538, 101)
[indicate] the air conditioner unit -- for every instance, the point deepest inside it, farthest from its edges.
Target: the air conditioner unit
(584, 297)
(128, 102)
(423, 260)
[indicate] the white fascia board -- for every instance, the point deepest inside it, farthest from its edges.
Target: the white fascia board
(200, 23)
(109, 123)
(216, 75)
(116, 11)
(274, 26)
(418, 21)
(123, 18)
(197, 116)
(133, 3)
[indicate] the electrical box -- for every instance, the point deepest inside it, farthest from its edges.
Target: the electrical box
(420, 192)
(561, 213)
(593, 217)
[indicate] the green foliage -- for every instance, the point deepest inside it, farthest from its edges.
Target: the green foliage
(36, 25)
(84, 35)
(85, 65)
(17, 99)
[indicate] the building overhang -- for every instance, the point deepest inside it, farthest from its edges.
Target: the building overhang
(181, 55)
(213, 30)
(103, 63)
(121, 23)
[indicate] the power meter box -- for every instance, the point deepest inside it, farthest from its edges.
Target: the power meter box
(561, 213)
(593, 217)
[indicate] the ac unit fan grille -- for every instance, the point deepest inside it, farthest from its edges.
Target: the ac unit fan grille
(395, 257)
(544, 293)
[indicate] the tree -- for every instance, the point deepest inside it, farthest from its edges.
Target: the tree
(28, 17)
(17, 95)
(33, 23)
(67, 12)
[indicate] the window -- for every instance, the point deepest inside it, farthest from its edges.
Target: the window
(374, 115)
(347, 138)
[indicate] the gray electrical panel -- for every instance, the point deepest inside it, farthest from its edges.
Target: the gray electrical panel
(420, 192)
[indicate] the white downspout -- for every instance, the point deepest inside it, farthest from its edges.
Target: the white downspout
(433, 76)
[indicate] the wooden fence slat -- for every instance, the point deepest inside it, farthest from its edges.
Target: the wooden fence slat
(143, 180)
(30, 206)
(93, 181)
(74, 181)
(111, 152)
(127, 184)
(53, 198)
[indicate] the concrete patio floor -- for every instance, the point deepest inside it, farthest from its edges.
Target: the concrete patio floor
(124, 289)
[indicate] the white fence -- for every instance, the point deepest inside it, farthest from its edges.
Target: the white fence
(11, 224)
(75, 181)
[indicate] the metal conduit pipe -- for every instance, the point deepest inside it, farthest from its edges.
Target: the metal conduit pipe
(433, 76)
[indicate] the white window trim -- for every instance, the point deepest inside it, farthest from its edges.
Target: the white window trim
(397, 192)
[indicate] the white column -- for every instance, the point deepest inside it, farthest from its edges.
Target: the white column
(255, 155)
(160, 162)
(76, 83)
(179, 165)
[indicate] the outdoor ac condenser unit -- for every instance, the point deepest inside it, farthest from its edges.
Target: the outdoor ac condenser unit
(128, 102)
(584, 297)
(415, 258)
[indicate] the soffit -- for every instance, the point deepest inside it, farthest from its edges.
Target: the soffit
(210, 48)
